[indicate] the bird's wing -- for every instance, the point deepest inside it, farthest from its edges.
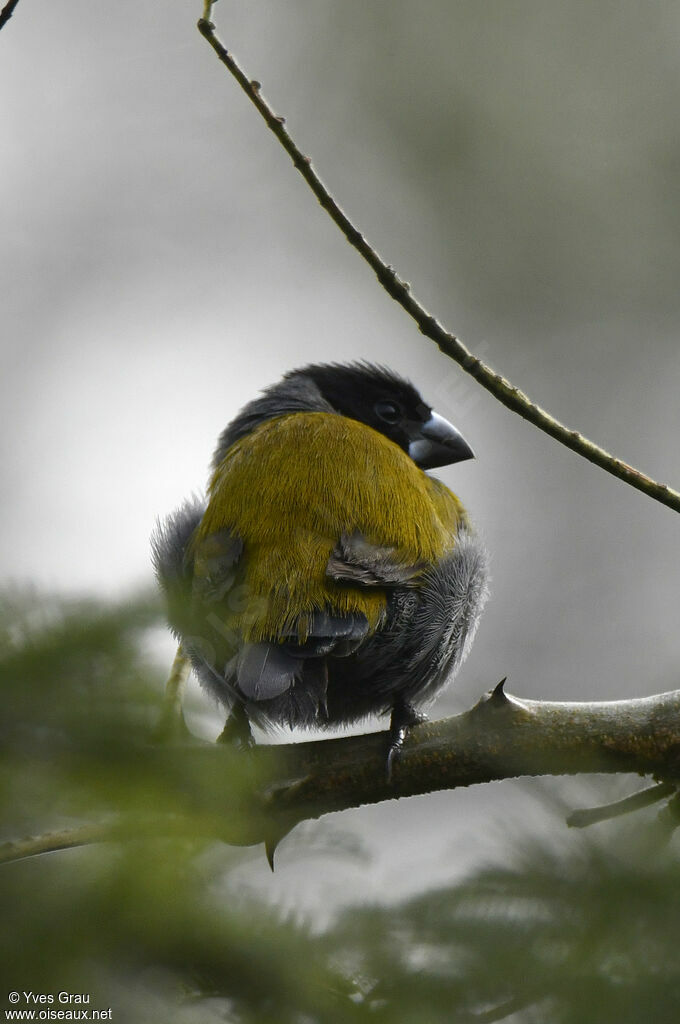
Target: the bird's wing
(356, 561)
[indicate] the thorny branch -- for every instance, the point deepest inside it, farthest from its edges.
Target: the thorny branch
(501, 737)
(399, 290)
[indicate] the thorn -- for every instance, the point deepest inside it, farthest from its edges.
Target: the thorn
(498, 696)
(275, 833)
(494, 700)
(499, 688)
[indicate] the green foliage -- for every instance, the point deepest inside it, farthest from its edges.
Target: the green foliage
(152, 925)
(568, 938)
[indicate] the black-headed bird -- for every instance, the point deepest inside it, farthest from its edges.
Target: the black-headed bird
(328, 576)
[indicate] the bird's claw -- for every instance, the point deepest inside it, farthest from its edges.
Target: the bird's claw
(237, 732)
(403, 717)
(393, 757)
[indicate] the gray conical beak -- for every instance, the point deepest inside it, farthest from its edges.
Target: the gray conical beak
(438, 443)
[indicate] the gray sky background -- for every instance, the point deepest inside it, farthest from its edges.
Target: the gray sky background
(160, 261)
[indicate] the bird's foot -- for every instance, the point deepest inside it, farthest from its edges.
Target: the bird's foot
(237, 732)
(404, 716)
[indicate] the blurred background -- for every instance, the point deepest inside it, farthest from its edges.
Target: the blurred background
(161, 261)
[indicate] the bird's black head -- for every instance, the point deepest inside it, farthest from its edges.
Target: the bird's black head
(371, 394)
(388, 403)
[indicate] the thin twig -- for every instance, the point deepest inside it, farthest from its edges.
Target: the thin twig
(49, 842)
(116, 829)
(399, 290)
(646, 797)
(7, 12)
(498, 1013)
(172, 725)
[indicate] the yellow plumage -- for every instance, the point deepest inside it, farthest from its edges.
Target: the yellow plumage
(289, 490)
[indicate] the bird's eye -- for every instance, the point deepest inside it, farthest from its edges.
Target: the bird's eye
(390, 412)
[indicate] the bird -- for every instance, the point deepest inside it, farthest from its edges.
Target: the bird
(327, 576)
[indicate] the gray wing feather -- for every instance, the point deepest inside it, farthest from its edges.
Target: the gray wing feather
(355, 560)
